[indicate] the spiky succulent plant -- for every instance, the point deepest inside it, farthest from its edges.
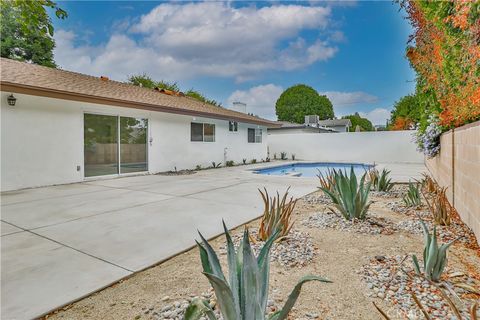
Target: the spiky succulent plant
(380, 181)
(326, 180)
(349, 196)
(439, 207)
(413, 197)
(277, 215)
(244, 295)
(434, 257)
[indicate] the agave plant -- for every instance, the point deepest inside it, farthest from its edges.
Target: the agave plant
(216, 165)
(244, 295)
(434, 257)
(412, 198)
(440, 208)
(276, 215)
(349, 196)
(327, 181)
(380, 181)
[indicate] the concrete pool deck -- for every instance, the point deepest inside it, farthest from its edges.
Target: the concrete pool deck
(61, 243)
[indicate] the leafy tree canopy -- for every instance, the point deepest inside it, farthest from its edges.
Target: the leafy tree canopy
(444, 51)
(406, 112)
(143, 80)
(27, 30)
(357, 120)
(301, 100)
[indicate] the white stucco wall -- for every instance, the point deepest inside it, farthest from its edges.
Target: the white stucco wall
(42, 141)
(378, 146)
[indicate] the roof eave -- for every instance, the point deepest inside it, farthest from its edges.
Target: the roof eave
(73, 96)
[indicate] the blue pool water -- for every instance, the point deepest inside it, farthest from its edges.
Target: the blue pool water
(312, 169)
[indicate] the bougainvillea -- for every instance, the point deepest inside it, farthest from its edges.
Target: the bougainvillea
(444, 50)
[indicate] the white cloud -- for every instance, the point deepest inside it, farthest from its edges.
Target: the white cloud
(177, 41)
(347, 98)
(337, 36)
(260, 100)
(376, 116)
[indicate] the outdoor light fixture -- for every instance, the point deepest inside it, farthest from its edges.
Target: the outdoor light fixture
(11, 100)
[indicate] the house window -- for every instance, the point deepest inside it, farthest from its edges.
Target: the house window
(232, 126)
(202, 132)
(254, 135)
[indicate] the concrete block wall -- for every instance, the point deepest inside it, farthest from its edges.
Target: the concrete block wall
(458, 168)
(366, 147)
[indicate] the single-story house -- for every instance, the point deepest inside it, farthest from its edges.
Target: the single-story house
(61, 127)
(292, 128)
(339, 125)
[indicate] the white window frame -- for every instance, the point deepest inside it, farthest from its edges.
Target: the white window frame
(258, 135)
(234, 125)
(203, 131)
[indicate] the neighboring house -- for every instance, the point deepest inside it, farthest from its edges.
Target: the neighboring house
(339, 125)
(68, 127)
(290, 127)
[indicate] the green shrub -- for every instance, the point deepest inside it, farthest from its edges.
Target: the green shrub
(434, 257)
(413, 198)
(349, 197)
(230, 163)
(254, 160)
(244, 295)
(198, 167)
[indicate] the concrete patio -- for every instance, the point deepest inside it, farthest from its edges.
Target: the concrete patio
(61, 243)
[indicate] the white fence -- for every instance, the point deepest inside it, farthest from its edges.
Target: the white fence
(379, 146)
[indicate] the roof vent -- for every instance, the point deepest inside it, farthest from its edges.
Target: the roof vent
(103, 78)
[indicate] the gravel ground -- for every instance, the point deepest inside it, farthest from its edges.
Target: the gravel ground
(371, 224)
(392, 278)
(294, 251)
(344, 255)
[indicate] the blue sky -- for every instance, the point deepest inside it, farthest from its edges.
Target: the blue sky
(250, 51)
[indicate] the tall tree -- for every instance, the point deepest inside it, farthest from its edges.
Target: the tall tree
(406, 112)
(301, 100)
(27, 30)
(363, 123)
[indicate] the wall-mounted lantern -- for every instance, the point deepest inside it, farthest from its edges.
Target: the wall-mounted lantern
(11, 100)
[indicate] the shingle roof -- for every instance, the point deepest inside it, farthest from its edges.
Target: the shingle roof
(22, 77)
(335, 122)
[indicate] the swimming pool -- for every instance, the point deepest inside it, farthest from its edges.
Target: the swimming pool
(312, 169)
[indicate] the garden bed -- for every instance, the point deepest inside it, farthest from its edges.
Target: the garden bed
(362, 259)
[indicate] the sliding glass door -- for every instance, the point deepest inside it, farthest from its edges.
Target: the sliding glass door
(114, 145)
(133, 144)
(100, 144)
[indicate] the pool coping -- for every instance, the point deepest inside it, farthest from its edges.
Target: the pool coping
(287, 163)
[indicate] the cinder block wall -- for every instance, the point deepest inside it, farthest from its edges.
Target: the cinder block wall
(458, 168)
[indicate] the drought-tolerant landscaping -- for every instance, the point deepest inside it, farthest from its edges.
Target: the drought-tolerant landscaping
(373, 254)
(240, 160)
